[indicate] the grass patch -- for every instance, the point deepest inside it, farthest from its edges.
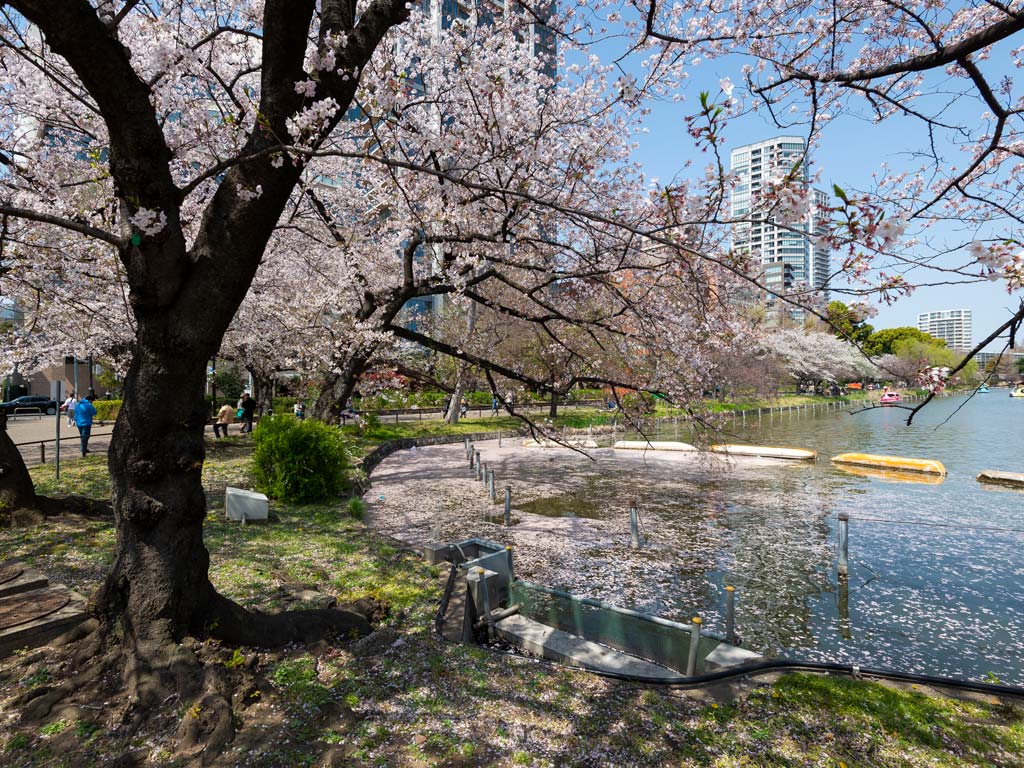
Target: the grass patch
(426, 702)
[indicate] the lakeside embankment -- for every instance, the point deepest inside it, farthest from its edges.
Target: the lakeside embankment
(408, 699)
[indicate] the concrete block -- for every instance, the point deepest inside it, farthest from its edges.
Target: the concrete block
(550, 643)
(238, 502)
(726, 656)
(25, 580)
(436, 553)
(35, 632)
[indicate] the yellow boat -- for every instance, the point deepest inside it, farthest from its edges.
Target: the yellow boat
(893, 475)
(1017, 391)
(766, 452)
(898, 463)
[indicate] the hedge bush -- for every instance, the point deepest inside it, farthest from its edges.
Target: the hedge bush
(299, 461)
(107, 410)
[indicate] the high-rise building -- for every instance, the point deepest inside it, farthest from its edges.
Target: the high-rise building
(788, 255)
(953, 326)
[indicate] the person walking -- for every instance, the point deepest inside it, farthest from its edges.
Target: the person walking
(85, 411)
(494, 406)
(69, 408)
(300, 411)
(248, 406)
(225, 416)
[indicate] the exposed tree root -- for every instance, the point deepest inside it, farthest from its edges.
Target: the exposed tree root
(235, 625)
(189, 695)
(37, 703)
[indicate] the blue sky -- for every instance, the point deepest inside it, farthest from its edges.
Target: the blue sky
(850, 151)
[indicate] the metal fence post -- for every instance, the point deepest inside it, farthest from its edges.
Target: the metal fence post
(508, 506)
(42, 452)
(487, 604)
(634, 529)
(844, 543)
(490, 485)
(730, 615)
(691, 661)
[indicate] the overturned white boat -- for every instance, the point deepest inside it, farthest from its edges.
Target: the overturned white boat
(766, 452)
(653, 445)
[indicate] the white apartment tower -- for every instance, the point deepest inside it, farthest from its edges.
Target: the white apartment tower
(953, 326)
(787, 257)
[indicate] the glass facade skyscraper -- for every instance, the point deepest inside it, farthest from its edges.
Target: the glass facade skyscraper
(789, 256)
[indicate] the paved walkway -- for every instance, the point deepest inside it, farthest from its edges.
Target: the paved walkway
(29, 432)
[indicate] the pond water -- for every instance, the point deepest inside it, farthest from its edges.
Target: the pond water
(936, 579)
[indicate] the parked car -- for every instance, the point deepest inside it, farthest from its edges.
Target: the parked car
(30, 404)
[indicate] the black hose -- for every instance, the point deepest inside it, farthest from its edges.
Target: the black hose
(794, 665)
(773, 665)
(442, 609)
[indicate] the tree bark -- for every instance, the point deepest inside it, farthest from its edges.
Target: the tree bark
(455, 404)
(553, 409)
(338, 388)
(263, 391)
(183, 299)
(16, 488)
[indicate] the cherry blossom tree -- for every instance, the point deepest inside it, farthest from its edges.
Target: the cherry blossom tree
(183, 171)
(157, 133)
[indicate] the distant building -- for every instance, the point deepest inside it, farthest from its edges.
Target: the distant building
(788, 258)
(953, 326)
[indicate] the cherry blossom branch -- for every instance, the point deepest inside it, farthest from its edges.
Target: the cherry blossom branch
(68, 224)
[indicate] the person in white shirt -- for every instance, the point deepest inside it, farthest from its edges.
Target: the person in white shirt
(69, 408)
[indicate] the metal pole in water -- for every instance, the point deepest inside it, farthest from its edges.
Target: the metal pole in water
(691, 661)
(845, 629)
(508, 506)
(730, 615)
(844, 543)
(634, 529)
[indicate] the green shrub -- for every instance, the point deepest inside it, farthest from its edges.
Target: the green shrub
(299, 461)
(107, 410)
(286, 405)
(356, 508)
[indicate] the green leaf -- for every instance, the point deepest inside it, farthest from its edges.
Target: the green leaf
(840, 193)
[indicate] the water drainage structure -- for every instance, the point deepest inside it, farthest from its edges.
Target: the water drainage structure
(468, 552)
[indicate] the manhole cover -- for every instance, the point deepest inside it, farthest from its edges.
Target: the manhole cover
(29, 607)
(10, 573)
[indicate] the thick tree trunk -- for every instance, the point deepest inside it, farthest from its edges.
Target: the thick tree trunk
(338, 388)
(16, 489)
(158, 591)
(553, 409)
(455, 404)
(263, 392)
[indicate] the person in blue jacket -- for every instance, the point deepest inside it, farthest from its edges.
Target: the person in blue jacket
(84, 413)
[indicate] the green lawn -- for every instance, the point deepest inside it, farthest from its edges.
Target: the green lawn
(424, 702)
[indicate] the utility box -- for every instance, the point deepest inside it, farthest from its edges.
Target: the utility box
(239, 504)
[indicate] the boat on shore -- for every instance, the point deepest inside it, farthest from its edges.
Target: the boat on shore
(766, 452)
(652, 445)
